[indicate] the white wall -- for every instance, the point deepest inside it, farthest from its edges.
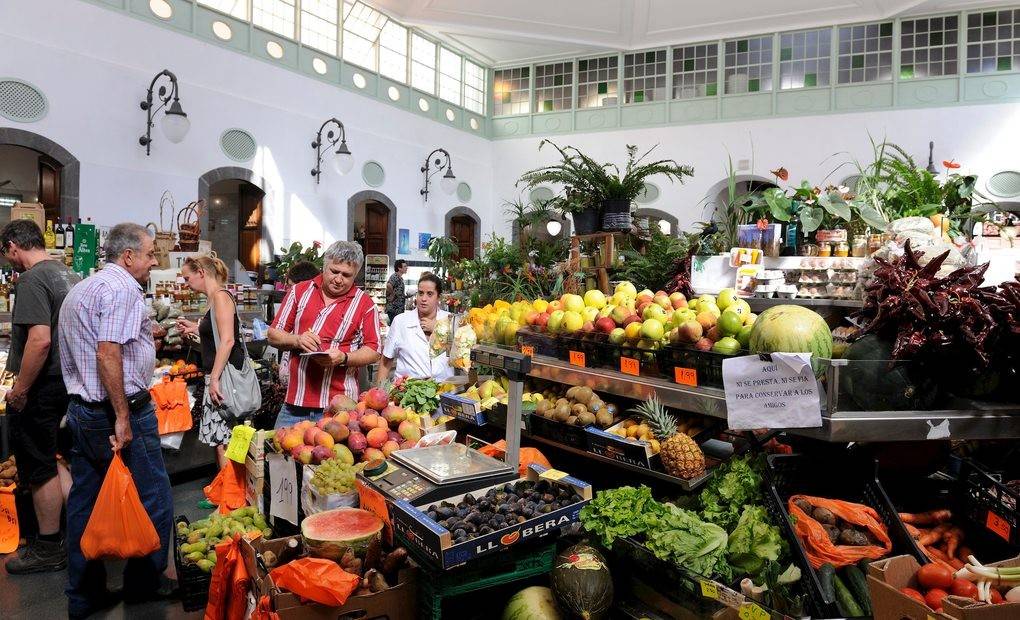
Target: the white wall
(982, 138)
(94, 66)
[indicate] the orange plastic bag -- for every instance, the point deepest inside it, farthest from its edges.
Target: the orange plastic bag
(316, 579)
(9, 532)
(173, 411)
(228, 590)
(820, 549)
(119, 527)
(264, 610)
(227, 488)
(527, 457)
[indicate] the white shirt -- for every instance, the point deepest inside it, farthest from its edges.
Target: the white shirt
(407, 344)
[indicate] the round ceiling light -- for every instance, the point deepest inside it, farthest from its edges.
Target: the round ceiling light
(450, 115)
(222, 30)
(319, 66)
(274, 49)
(474, 124)
(161, 9)
(393, 93)
(359, 80)
(423, 104)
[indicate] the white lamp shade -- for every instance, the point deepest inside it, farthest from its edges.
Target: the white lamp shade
(553, 227)
(343, 163)
(449, 184)
(665, 227)
(175, 127)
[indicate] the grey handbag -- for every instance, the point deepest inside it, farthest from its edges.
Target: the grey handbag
(242, 396)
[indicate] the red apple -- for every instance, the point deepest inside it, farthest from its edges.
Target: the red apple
(587, 327)
(703, 345)
(605, 324)
(678, 300)
(541, 320)
(630, 319)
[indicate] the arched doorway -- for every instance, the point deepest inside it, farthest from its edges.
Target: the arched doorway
(38, 170)
(372, 222)
(233, 219)
(666, 223)
(464, 226)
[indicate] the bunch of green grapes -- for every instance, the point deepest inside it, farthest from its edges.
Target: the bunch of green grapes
(334, 476)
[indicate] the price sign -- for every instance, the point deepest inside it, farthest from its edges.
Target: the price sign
(753, 611)
(998, 525)
(240, 439)
(709, 589)
(685, 376)
(373, 501)
(283, 500)
(553, 474)
(9, 532)
(630, 366)
(528, 350)
(577, 358)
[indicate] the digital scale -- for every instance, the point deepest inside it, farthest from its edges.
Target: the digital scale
(430, 474)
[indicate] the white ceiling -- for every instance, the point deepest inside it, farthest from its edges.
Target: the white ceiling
(502, 32)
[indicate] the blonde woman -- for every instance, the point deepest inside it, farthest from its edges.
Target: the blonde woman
(207, 274)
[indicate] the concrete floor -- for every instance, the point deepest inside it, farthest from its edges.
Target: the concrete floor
(41, 597)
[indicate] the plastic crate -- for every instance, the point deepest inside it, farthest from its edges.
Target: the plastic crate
(192, 582)
(989, 504)
(566, 434)
(847, 479)
(435, 585)
(592, 345)
(540, 342)
(675, 583)
(707, 364)
(648, 360)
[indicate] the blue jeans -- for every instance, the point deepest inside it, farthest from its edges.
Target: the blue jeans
(90, 457)
(292, 414)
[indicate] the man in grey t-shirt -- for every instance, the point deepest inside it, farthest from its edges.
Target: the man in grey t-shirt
(38, 400)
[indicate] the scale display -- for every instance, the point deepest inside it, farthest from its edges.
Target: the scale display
(437, 472)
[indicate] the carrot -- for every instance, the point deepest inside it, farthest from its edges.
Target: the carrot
(913, 531)
(963, 553)
(932, 536)
(953, 538)
(955, 563)
(932, 517)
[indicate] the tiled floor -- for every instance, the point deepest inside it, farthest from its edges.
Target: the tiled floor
(41, 597)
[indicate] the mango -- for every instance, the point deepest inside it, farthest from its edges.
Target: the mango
(205, 565)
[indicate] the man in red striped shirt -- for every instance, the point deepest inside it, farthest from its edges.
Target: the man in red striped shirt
(333, 328)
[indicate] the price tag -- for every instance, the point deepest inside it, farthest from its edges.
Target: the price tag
(373, 501)
(528, 350)
(553, 474)
(709, 589)
(283, 500)
(998, 525)
(9, 532)
(577, 359)
(686, 376)
(753, 611)
(630, 366)
(240, 439)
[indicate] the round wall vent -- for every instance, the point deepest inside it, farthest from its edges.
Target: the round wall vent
(649, 194)
(540, 195)
(464, 192)
(21, 102)
(238, 144)
(851, 182)
(1005, 184)
(373, 174)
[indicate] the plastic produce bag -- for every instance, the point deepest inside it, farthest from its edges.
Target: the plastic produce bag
(313, 502)
(228, 590)
(227, 488)
(119, 527)
(264, 610)
(527, 456)
(173, 410)
(820, 550)
(315, 579)
(9, 532)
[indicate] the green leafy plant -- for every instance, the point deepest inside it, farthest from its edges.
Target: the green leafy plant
(656, 265)
(443, 252)
(294, 254)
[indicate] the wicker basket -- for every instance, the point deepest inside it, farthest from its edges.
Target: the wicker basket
(164, 238)
(189, 227)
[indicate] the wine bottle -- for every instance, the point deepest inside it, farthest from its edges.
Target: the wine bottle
(49, 238)
(58, 236)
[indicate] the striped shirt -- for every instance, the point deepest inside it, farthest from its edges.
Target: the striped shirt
(348, 323)
(106, 307)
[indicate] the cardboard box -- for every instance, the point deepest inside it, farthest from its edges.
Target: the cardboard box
(560, 432)
(34, 211)
(605, 443)
(460, 407)
(435, 542)
(256, 467)
(257, 447)
(399, 602)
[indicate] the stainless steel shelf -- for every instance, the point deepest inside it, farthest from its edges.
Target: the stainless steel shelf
(762, 302)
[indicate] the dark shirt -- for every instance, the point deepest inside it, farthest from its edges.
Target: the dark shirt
(395, 301)
(38, 297)
(205, 333)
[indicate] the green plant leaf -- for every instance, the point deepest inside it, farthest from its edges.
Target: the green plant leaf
(872, 217)
(834, 204)
(811, 218)
(778, 204)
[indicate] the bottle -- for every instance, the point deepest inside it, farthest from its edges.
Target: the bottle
(69, 235)
(49, 237)
(3, 293)
(58, 236)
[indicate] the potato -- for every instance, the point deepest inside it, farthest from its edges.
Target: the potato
(824, 516)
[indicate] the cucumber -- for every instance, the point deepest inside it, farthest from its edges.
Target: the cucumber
(845, 601)
(858, 586)
(825, 574)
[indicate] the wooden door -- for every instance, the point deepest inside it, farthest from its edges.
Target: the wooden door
(462, 229)
(49, 186)
(249, 233)
(377, 227)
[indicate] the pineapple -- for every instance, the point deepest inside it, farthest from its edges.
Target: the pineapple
(680, 456)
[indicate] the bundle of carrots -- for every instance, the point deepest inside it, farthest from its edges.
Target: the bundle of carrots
(937, 537)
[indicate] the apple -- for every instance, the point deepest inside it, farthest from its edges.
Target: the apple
(707, 320)
(632, 332)
(706, 307)
(588, 327)
(661, 299)
(529, 317)
(677, 300)
(540, 305)
(642, 306)
(714, 334)
(704, 344)
(572, 321)
(707, 299)
(620, 314)
(573, 303)
(595, 299)
(726, 298)
(555, 323)
(690, 331)
(632, 318)
(656, 312)
(617, 336)
(645, 295)
(652, 329)
(626, 288)
(590, 314)
(542, 320)
(605, 325)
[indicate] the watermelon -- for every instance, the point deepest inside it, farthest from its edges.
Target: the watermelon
(876, 383)
(534, 603)
(582, 583)
(330, 533)
(792, 329)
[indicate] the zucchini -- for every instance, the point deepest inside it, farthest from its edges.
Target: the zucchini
(858, 586)
(825, 574)
(845, 601)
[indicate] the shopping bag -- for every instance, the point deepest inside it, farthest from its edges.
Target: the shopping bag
(264, 610)
(527, 456)
(315, 579)
(227, 488)
(9, 532)
(228, 589)
(173, 410)
(119, 527)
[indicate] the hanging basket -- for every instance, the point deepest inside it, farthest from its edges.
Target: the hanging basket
(189, 227)
(164, 236)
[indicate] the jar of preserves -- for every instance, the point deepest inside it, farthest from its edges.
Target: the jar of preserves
(860, 246)
(824, 249)
(842, 249)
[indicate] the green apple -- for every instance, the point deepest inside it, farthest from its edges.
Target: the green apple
(590, 313)
(555, 324)
(572, 321)
(653, 311)
(726, 297)
(626, 288)
(652, 329)
(709, 307)
(617, 336)
(595, 299)
(744, 336)
(607, 310)
(574, 303)
(727, 346)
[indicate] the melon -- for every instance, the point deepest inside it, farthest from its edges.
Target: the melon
(582, 583)
(330, 533)
(877, 383)
(534, 603)
(792, 329)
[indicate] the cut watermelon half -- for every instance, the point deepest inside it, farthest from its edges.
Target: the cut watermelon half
(331, 533)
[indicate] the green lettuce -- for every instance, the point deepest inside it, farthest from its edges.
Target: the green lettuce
(618, 513)
(680, 536)
(735, 484)
(754, 541)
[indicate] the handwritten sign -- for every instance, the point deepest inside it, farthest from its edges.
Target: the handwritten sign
(240, 439)
(753, 611)
(997, 524)
(283, 500)
(553, 474)
(577, 358)
(780, 392)
(373, 501)
(685, 376)
(528, 350)
(9, 532)
(709, 589)
(630, 366)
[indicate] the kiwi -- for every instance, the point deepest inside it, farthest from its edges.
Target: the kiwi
(541, 406)
(562, 412)
(603, 419)
(572, 420)
(562, 401)
(583, 395)
(595, 403)
(572, 391)
(586, 418)
(612, 408)
(578, 409)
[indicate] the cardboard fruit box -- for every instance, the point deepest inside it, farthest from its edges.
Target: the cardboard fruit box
(399, 602)
(460, 407)
(436, 542)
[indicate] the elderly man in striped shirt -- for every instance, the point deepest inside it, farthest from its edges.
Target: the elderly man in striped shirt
(107, 357)
(333, 328)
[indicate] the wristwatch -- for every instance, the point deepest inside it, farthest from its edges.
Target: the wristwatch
(344, 363)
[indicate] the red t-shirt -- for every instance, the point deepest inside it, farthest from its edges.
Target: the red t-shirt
(348, 323)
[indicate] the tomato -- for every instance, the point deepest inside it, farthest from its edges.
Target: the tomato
(934, 598)
(995, 596)
(914, 594)
(935, 576)
(962, 587)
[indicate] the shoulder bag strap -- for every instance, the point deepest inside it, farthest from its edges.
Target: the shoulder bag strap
(237, 317)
